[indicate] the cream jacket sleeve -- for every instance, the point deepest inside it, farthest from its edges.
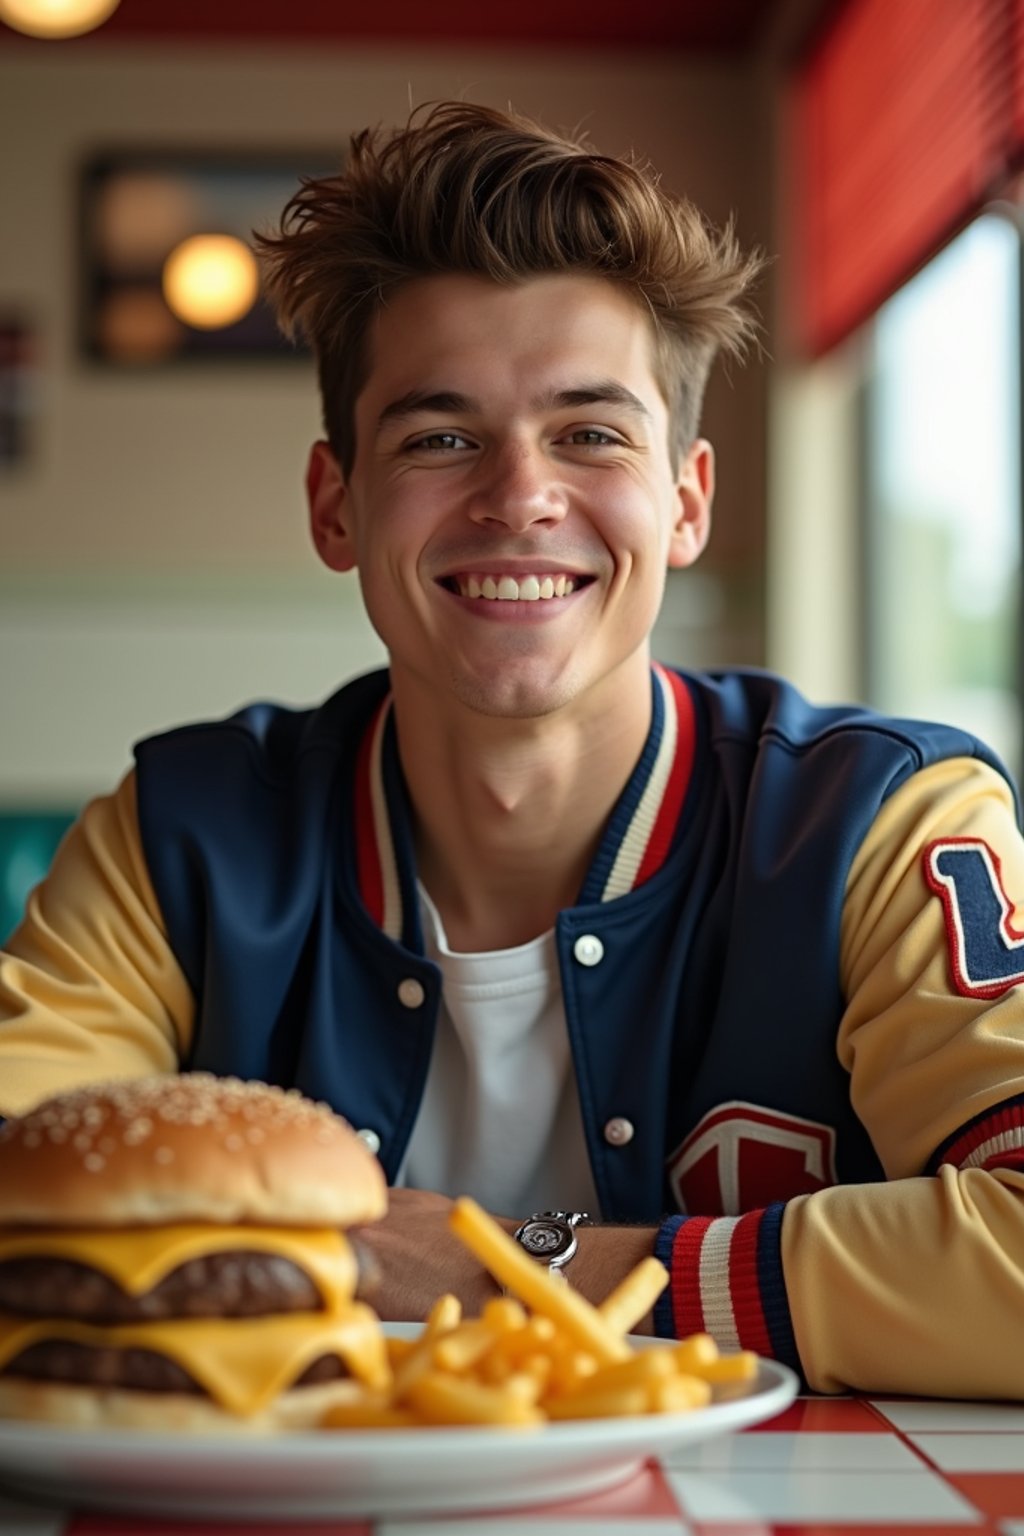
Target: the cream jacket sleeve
(89, 988)
(917, 1285)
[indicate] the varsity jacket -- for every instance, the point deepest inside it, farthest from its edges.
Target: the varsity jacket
(704, 986)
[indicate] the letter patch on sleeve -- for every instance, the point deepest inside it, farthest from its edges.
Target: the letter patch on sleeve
(986, 952)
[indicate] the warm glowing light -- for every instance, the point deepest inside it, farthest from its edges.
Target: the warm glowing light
(56, 18)
(140, 215)
(134, 325)
(210, 281)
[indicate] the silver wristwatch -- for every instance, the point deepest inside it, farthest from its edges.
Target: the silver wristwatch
(550, 1237)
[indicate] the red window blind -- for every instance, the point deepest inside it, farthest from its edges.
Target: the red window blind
(1017, 74)
(904, 119)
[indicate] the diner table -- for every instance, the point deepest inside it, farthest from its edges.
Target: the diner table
(838, 1466)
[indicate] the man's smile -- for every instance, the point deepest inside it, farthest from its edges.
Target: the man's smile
(502, 588)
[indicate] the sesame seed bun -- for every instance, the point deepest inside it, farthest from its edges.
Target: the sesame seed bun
(194, 1147)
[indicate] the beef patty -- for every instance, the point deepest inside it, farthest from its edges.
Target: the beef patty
(237, 1284)
(137, 1370)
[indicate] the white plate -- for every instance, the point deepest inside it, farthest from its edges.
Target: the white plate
(333, 1473)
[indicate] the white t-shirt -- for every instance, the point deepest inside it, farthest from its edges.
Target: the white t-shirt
(500, 1118)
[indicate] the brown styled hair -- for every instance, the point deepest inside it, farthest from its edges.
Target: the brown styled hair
(464, 188)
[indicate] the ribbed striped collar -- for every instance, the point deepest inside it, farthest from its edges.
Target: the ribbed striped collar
(640, 834)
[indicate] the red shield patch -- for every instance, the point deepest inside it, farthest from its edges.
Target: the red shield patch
(741, 1157)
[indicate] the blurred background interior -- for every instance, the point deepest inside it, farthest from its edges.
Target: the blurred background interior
(154, 564)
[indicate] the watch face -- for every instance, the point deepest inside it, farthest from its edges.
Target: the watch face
(548, 1239)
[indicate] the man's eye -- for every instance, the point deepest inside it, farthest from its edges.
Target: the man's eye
(441, 442)
(592, 437)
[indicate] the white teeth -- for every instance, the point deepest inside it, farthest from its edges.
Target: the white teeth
(507, 589)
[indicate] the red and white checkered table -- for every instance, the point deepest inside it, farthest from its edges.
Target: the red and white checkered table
(824, 1467)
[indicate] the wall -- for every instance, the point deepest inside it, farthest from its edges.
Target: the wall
(154, 564)
(813, 575)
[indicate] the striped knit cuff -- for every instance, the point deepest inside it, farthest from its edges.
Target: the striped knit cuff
(992, 1139)
(725, 1278)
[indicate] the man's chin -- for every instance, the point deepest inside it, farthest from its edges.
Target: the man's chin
(508, 694)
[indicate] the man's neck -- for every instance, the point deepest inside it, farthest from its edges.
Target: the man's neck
(509, 813)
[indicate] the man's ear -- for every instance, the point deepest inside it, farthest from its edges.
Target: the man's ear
(326, 499)
(695, 488)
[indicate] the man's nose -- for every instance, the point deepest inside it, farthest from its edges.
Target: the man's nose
(520, 486)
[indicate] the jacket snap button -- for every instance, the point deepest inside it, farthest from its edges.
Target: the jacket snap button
(618, 1131)
(369, 1139)
(588, 949)
(410, 992)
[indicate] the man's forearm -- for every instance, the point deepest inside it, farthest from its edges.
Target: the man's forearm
(417, 1258)
(605, 1256)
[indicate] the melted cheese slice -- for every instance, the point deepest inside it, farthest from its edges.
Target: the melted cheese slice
(138, 1258)
(242, 1363)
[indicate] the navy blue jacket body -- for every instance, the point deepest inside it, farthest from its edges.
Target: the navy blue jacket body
(718, 980)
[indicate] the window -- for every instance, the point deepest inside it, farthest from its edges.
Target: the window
(943, 556)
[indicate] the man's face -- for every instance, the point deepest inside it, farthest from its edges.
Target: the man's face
(512, 507)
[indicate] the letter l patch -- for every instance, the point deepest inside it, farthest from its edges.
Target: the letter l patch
(986, 952)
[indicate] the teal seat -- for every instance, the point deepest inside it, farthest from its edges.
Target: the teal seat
(28, 841)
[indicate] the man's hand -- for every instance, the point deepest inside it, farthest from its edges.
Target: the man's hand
(419, 1259)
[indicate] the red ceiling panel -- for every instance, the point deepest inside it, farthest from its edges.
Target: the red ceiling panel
(726, 26)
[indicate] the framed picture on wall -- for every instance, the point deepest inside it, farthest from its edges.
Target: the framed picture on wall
(167, 271)
(18, 369)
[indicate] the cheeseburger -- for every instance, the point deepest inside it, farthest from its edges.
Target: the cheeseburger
(172, 1257)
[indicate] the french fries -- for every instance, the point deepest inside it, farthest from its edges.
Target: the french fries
(540, 1354)
(515, 1270)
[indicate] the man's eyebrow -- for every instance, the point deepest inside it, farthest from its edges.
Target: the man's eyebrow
(598, 392)
(418, 402)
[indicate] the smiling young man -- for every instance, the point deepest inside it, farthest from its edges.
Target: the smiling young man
(512, 512)
(554, 924)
